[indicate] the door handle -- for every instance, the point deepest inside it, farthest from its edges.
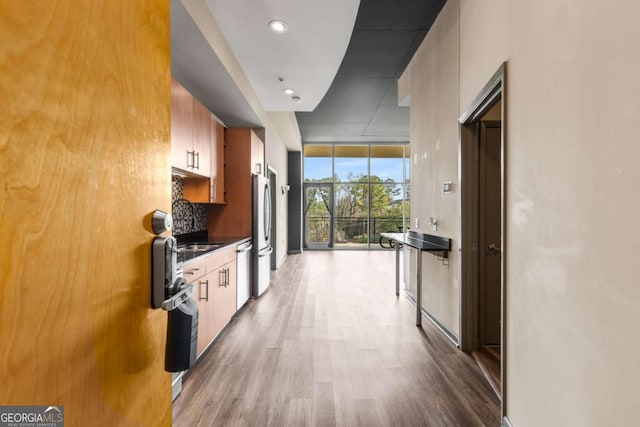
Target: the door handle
(492, 248)
(177, 299)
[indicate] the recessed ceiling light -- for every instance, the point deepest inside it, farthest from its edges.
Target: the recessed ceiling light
(295, 98)
(288, 91)
(278, 26)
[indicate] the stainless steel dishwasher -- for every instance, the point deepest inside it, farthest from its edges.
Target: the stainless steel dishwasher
(243, 266)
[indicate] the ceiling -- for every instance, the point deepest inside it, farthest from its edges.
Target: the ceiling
(345, 96)
(305, 57)
(361, 104)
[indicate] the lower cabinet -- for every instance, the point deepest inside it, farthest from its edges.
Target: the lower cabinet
(215, 294)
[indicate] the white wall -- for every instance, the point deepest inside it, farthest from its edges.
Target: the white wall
(282, 124)
(573, 108)
(281, 129)
(433, 78)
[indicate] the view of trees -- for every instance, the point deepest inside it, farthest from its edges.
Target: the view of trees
(354, 192)
(361, 204)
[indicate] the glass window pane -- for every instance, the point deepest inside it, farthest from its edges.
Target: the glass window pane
(351, 212)
(386, 209)
(316, 213)
(386, 163)
(351, 163)
(317, 163)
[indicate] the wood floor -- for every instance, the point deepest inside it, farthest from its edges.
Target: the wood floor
(329, 344)
(489, 361)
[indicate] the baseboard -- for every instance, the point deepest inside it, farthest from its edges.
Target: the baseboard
(294, 252)
(438, 324)
(506, 422)
(282, 260)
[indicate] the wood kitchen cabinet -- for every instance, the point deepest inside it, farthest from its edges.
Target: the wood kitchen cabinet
(181, 126)
(215, 294)
(212, 189)
(224, 298)
(244, 156)
(191, 124)
(201, 138)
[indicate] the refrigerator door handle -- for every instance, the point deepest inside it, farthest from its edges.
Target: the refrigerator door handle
(265, 251)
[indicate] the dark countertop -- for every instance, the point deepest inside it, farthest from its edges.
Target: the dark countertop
(421, 241)
(203, 238)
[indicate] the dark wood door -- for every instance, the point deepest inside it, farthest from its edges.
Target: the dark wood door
(490, 239)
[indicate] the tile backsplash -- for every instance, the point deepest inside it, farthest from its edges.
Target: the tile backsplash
(187, 217)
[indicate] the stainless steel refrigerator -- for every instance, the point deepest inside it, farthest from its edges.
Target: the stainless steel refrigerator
(261, 232)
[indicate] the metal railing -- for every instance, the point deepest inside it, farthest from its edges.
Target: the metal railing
(350, 231)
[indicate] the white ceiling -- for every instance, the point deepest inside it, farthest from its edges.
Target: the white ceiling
(307, 56)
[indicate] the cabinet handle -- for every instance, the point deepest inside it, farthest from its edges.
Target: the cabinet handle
(228, 277)
(221, 277)
(204, 282)
(194, 271)
(196, 156)
(193, 159)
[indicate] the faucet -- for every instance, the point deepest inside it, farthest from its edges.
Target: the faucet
(193, 210)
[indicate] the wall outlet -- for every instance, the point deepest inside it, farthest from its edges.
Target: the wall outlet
(417, 223)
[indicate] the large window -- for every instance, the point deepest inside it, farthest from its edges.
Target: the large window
(370, 193)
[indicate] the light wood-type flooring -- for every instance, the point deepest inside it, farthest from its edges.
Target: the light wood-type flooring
(329, 344)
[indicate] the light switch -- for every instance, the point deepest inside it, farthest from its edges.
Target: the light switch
(417, 223)
(447, 187)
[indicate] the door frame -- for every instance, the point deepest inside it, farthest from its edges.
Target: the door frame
(272, 175)
(469, 132)
(305, 185)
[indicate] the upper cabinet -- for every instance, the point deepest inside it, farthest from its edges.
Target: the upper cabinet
(201, 138)
(197, 147)
(191, 125)
(181, 126)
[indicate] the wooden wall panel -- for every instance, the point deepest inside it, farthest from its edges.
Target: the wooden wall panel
(84, 158)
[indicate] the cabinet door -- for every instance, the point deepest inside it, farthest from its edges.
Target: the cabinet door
(201, 139)
(217, 162)
(204, 297)
(231, 290)
(181, 126)
(219, 318)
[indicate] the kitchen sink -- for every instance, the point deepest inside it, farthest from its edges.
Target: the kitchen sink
(199, 247)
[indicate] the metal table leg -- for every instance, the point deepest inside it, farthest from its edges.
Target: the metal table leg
(397, 269)
(419, 290)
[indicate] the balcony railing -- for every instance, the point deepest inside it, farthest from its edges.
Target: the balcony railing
(350, 231)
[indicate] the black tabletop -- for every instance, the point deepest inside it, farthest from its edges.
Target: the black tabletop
(421, 241)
